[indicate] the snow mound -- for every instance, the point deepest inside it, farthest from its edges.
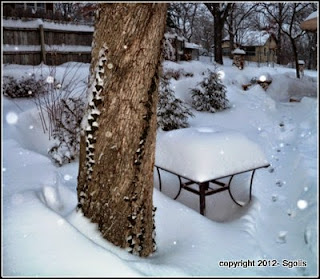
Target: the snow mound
(284, 87)
(207, 153)
(30, 133)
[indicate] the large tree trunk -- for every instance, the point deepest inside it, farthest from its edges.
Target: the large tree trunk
(218, 42)
(115, 182)
(219, 14)
(295, 54)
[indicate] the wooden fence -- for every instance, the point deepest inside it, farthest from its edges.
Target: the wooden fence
(33, 42)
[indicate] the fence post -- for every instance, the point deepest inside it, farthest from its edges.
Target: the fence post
(43, 48)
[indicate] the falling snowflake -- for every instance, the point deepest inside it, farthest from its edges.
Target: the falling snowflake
(263, 78)
(67, 177)
(221, 74)
(302, 204)
(12, 118)
(30, 127)
(50, 79)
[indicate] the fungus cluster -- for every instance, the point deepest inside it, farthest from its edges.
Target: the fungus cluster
(90, 124)
(94, 112)
(135, 240)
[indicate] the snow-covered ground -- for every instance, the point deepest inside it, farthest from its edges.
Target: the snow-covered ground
(44, 236)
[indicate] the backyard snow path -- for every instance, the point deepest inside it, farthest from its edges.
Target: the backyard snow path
(44, 236)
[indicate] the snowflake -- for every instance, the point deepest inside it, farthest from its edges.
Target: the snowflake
(50, 79)
(12, 118)
(67, 177)
(302, 204)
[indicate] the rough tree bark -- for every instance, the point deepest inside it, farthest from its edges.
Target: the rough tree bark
(115, 181)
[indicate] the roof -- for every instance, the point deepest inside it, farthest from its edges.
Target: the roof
(312, 15)
(191, 45)
(251, 38)
(310, 23)
(254, 38)
(174, 36)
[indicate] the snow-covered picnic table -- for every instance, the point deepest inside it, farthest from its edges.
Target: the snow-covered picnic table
(206, 155)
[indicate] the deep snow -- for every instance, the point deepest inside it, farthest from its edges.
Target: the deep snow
(44, 236)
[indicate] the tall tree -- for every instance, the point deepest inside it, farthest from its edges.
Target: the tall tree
(237, 21)
(183, 16)
(291, 16)
(203, 29)
(115, 180)
(219, 12)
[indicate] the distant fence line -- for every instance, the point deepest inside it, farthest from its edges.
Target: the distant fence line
(33, 42)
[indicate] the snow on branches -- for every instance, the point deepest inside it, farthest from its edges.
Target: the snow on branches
(172, 113)
(211, 94)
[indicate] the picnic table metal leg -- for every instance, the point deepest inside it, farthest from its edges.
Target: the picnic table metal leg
(229, 189)
(180, 186)
(160, 186)
(251, 184)
(250, 193)
(203, 187)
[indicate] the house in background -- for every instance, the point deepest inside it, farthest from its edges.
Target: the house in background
(260, 46)
(310, 23)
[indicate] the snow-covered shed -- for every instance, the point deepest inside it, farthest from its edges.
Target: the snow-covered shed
(177, 48)
(238, 58)
(191, 51)
(173, 46)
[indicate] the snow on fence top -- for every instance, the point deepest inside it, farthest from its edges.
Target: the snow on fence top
(21, 48)
(49, 48)
(207, 153)
(300, 62)
(68, 48)
(32, 24)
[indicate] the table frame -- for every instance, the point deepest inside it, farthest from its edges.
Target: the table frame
(204, 188)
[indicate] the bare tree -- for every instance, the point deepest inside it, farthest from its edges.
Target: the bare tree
(183, 15)
(288, 19)
(115, 181)
(237, 20)
(203, 28)
(219, 12)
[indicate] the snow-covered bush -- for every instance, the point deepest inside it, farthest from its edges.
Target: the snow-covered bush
(24, 87)
(67, 131)
(172, 113)
(210, 94)
(168, 50)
